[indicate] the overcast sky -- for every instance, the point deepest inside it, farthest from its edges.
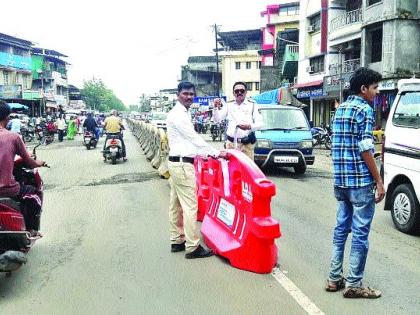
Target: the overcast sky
(135, 46)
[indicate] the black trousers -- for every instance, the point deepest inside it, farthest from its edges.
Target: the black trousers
(60, 135)
(31, 210)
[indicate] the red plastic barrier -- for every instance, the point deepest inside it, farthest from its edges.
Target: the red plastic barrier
(235, 197)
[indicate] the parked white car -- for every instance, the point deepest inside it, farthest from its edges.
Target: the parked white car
(401, 158)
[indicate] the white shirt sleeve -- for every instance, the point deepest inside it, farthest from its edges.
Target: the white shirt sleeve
(220, 114)
(257, 118)
(186, 130)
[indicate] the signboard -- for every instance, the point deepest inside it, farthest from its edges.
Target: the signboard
(332, 83)
(15, 61)
(31, 95)
(310, 92)
(10, 91)
(387, 85)
(226, 212)
(206, 100)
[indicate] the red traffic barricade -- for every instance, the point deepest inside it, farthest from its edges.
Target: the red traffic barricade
(235, 196)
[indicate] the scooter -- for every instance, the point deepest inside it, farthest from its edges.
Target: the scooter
(89, 140)
(113, 148)
(15, 239)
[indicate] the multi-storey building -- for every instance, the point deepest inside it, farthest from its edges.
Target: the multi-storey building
(202, 71)
(391, 46)
(15, 71)
(314, 61)
(280, 48)
(240, 60)
(49, 74)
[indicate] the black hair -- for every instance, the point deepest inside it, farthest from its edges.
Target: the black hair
(4, 110)
(363, 76)
(239, 83)
(185, 85)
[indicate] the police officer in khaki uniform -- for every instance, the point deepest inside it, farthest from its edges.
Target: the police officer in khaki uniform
(243, 119)
(184, 145)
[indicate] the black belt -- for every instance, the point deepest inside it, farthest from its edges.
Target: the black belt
(185, 159)
(233, 139)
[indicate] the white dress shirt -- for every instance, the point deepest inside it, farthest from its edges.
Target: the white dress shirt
(239, 115)
(182, 138)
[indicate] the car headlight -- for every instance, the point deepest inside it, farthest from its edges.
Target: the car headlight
(264, 143)
(306, 144)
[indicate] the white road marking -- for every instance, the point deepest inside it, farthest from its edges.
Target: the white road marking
(296, 293)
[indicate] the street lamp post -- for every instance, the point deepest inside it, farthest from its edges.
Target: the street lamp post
(42, 105)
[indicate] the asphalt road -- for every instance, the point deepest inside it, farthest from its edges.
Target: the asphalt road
(106, 248)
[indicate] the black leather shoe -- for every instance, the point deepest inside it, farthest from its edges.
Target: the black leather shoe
(200, 252)
(177, 247)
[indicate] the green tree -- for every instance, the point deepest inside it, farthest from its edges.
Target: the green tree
(98, 96)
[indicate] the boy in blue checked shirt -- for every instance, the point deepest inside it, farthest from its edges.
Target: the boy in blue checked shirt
(355, 180)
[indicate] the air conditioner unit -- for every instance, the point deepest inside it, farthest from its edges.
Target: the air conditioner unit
(311, 29)
(310, 69)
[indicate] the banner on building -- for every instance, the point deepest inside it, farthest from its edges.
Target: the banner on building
(10, 91)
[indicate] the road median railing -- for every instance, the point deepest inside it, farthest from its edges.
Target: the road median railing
(154, 143)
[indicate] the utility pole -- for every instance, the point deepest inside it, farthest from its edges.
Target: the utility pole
(217, 61)
(340, 65)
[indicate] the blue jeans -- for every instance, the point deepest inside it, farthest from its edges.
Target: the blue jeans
(356, 207)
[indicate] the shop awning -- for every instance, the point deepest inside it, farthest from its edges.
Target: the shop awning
(308, 84)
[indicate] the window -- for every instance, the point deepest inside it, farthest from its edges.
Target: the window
(5, 77)
(292, 10)
(258, 64)
(248, 64)
(317, 64)
(376, 53)
(371, 2)
(237, 65)
(407, 113)
(315, 22)
(257, 86)
(248, 86)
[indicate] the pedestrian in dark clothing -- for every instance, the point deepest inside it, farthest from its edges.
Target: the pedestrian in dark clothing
(356, 179)
(91, 125)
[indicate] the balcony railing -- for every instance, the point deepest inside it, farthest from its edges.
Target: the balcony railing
(346, 19)
(348, 66)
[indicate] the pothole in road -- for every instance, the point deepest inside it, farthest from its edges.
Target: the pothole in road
(126, 179)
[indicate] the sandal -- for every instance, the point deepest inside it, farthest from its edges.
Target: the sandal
(334, 286)
(365, 293)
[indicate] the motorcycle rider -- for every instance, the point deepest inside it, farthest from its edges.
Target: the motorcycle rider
(11, 145)
(113, 126)
(90, 125)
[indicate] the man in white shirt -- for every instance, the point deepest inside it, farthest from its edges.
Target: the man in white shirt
(185, 144)
(243, 119)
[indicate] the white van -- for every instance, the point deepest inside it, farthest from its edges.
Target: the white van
(401, 157)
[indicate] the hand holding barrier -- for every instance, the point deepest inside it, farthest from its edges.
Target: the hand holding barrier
(235, 197)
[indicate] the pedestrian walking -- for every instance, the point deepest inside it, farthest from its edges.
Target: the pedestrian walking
(356, 179)
(72, 129)
(243, 120)
(185, 144)
(61, 127)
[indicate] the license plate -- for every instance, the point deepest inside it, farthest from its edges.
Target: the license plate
(286, 159)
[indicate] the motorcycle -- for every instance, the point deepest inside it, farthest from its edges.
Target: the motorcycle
(89, 140)
(321, 136)
(217, 130)
(28, 133)
(15, 239)
(113, 148)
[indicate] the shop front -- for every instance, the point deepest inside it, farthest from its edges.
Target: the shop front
(321, 106)
(382, 103)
